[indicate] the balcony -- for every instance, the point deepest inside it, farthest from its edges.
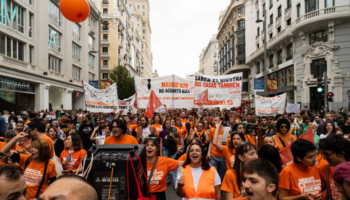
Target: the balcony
(105, 42)
(105, 68)
(279, 62)
(105, 55)
(15, 61)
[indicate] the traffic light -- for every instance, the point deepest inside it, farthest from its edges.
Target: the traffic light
(330, 96)
(319, 85)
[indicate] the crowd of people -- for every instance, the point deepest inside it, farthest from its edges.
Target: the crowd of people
(204, 153)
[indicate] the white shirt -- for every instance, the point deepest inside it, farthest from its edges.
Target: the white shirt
(145, 133)
(196, 175)
(323, 136)
(100, 139)
(6, 117)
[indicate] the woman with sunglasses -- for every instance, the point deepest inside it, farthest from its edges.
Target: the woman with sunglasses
(283, 138)
(202, 135)
(230, 150)
(197, 179)
(163, 166)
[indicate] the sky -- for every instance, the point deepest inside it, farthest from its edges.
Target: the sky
(181, 29)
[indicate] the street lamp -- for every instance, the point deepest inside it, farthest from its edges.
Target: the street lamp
(265, 66)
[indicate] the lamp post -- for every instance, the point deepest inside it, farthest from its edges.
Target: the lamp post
(265, 66)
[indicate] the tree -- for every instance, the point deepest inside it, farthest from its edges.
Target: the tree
(125, 84)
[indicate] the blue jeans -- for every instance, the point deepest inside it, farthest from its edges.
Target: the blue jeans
(166, 154)
(220, 165)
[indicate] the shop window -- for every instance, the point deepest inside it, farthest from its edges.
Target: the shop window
(76, 72)
(320, 36)
(311, 5)
(258, 68)
(54, 39)
(290, 76)
(76, 52)
(318, 67)
(54, 64)
(289, 52)
(281, 79)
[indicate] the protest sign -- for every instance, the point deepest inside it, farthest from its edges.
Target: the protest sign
(100, 100)
(223, 91)
(127, 105)
(270, 106)
(293, 108)
(173, 91)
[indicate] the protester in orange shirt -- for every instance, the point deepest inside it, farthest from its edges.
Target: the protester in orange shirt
(157, 122)
(202, 135)
(38, 132)
(283, 138)
(118, 129)
(217, 158)
(72, 156)
(232, 183)
(230, 150)
(34, 165)
(8, 136)
(132, 127)
(198, 180)
(163, 165)
(261, 180)
(183, 157)
(335, 149)
(239, 128)
(181, 129)
(301, 179)
(250, 134)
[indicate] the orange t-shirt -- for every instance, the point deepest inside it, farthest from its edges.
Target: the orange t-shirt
(77, 157)
(214, 151)
(250, 138)
(229, 184)
(287, 139)
(158, 127)
(334, 191)
(34, 173)
(300, 180)
(14, 149)
(181, 130)
(48, 140)
(127, 139)
(183, 122)
(183, 157)
(2, 144)
(229, 157)
(132, 127)
(159, 178)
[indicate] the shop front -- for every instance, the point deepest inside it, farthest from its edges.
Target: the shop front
(16, 95)
(285, 83)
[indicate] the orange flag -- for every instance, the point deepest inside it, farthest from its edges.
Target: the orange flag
(203, 98)
(286, 153)
(153, 104)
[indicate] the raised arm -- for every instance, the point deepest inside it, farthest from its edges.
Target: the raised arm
(93, 133)
(215, 138)
(119, 114)
(7, 148)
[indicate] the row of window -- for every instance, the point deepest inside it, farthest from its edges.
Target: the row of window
(55, 66)
(12, 15)
(11, 47)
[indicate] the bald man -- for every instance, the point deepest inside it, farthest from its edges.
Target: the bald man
(70, 187)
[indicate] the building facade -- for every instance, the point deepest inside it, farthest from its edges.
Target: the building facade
(120, 38)
(140, 15)
(232, 43)
(304, 40)
(38, 73)
(209, 58)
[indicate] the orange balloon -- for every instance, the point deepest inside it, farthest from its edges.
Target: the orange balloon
(75, 10)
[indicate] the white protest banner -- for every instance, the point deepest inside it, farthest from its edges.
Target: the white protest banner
(127, 105)
(173, 91)
(100, 100)
(270, 106)
(223, 91)
(293, 108)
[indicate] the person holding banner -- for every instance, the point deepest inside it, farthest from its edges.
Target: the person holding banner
(301, 179)
(283, 138)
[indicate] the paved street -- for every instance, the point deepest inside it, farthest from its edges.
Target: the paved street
(170, 193)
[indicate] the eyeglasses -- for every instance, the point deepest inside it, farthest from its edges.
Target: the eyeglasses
(199, 126)
(195, 150)
(284, 126)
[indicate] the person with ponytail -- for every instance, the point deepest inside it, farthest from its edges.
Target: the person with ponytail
(233, 180)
